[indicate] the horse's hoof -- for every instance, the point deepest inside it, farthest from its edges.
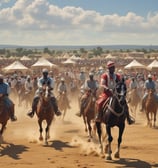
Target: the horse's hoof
(117, 155)
(41, 138)
(108, 158)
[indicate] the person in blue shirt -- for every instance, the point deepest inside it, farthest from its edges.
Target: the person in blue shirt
(5, 91)
(149, 84)
(45, 79)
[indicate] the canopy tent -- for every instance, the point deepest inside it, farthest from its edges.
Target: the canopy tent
(152, 65)
(134, 65)
(109, 56)
(69, 61)
(74, 57)
(42, 62)
(15, 66)
(25, 58)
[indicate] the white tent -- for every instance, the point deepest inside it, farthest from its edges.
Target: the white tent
(42, 62)
(154, 64)
(134, 65)
(15, 66)
(25, 58)
(69, 61)
(73, 57)
(109, 56)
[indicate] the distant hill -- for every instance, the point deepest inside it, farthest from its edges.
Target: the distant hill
(87, 47)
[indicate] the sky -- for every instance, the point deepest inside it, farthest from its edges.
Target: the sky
(79, 22)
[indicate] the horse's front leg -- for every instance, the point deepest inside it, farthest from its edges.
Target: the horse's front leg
(121, 130)
(40, 130)
(85, 123)
(89, 130)
(108, 150)
(99, 132)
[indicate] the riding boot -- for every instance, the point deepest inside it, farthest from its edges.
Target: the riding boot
(130, 120)
(34, 106)
(55, 106)
(12, 116)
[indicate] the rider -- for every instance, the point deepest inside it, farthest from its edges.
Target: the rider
(28, 85)
(44, 80)
(108, 82)
(63, 88)
(5, 91)
(90, 86)
(149, 84)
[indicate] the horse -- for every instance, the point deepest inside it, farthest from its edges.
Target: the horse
(151, 108)
(62, 104)
(45, 111)
(113, 115)
(89, 114)
(133, 101)
(4, 114)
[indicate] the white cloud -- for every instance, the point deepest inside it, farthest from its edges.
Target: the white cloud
(46, 23)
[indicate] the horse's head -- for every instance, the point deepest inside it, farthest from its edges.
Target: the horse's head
(120, 92)
(45, 93)
(151, 92)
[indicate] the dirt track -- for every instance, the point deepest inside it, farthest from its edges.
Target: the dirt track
(68, 146)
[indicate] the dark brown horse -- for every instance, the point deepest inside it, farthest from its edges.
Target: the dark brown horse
(151, 106)
(45, 111)
(4, 114)
(113, 115)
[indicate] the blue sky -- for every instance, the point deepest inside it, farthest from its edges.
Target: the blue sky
(79, 22)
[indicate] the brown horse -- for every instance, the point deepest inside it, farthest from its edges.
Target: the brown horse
(4, 114)
(151, 108)
(62, 103)
(45, 111)
(89, 114)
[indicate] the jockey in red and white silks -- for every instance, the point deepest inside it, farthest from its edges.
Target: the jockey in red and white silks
(108, 82)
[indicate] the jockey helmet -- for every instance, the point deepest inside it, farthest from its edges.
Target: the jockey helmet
(110, 64)
(150, 76)
(62, 79)
(45, 70)
(91, 74)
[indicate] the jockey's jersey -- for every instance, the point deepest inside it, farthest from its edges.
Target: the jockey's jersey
(92, 84)
(46, 81)
(110, 80)
(149, 85)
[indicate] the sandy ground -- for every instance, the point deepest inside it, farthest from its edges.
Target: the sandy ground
(68, 146)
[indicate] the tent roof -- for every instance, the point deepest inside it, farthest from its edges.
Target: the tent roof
(42, 62)
(154, 64)
(134, 64)
(15, 66)
(69, 61)
(25, 58)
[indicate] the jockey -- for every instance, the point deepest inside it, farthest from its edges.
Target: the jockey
(108, 82)
(28, 85)
(133, 84)
(149, 84)
(63, 88)
(44, 80)
(5, 91)
(90, 86)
